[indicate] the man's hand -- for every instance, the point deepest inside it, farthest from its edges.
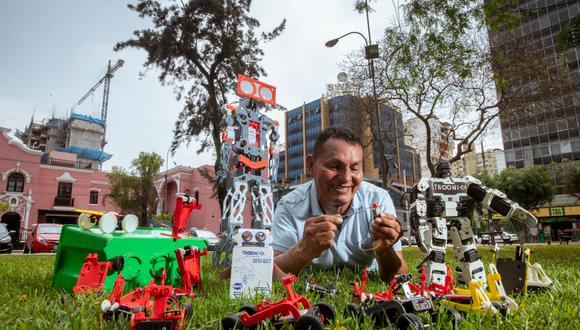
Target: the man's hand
(385, 231)
(319, 234)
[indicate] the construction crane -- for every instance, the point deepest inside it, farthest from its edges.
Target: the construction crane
(107, 80)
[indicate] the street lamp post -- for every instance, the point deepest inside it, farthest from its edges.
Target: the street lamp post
(371, 52)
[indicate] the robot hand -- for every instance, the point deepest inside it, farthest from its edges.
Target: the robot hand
(521, 215)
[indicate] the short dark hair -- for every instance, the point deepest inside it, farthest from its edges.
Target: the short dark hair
(340, 133)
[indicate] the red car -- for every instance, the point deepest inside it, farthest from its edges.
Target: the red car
(43, 238)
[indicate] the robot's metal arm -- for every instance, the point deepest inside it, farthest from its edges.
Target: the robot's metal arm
(418, 212)
(274, 154)
(228, 140)
(497, 201)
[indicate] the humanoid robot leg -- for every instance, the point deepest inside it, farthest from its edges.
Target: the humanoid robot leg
(465, 252)
(262, 205)
(232, 220)
(432, 240)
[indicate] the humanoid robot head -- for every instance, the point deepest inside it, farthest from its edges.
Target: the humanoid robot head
(443, 169)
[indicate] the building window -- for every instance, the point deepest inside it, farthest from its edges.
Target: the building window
(15, 183)
(94, 197)
(64, 190)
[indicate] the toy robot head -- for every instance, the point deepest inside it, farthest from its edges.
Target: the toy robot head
(443, 169)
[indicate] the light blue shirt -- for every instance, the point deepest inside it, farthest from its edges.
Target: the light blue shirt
(352, 243)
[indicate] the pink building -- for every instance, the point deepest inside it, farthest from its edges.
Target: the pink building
(41, 189)
(45, 191)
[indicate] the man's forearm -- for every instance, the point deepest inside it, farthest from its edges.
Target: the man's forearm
(390, 263)
(292, 261)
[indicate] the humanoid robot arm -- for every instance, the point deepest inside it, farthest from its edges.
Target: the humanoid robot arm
(273, 163)
(228, 140)
(497, 201)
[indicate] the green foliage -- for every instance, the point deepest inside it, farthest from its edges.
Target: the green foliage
(199, 47)
(571, 177)
(124, 189)
(569, 36)
(162, 218)
(529, 187)
(436, 62)
(487, 179)
(4, 207)
(362, 6)
(134, 191)
(29, 302)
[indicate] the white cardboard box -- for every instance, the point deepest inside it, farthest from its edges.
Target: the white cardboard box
(252, 263)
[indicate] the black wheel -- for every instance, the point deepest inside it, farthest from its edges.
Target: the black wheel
(188, 310)
(232, 322)
(409, 321)
(308, 321)
(326, 311)
(455, 317)
(118, 263)
(386, 310)
(250, 309)
(353, 310)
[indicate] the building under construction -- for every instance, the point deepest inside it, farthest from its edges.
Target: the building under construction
(75, 141)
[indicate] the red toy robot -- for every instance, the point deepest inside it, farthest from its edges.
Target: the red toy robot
(295, 309)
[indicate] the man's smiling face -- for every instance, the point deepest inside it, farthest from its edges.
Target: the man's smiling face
(337, 173)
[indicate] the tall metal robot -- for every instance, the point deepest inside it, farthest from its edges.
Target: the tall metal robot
(441, 207)
(249, 162)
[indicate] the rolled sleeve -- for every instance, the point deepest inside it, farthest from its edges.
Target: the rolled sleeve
(285, 234)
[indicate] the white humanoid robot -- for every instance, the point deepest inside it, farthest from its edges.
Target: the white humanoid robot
(249, 161)
(441, 207)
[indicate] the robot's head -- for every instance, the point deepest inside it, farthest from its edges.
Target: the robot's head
(443, 169)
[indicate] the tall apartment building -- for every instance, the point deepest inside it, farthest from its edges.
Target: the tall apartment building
(473, 162)
(304, 123)
(79, 136)
(549, 131)
(441, 145)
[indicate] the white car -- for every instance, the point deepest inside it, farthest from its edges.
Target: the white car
(500, 237)
(405, 240)
(211, 238)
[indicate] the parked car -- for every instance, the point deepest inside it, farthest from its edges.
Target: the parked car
(43, 237)
(211, 238)
(5, 239)
(405, 240)
(500, 237)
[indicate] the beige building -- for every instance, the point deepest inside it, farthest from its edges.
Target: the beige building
(472, 163)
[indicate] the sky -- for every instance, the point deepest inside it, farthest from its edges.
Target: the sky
(54, 51)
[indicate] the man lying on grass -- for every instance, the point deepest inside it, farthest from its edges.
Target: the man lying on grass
(329, 221)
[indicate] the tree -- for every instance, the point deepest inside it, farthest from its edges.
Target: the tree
(200, 46)
(529, 187)
(571, 178)
(437, 64)
(4, 207)
(134, 191)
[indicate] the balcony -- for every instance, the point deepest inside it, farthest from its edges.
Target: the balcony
(66, 163)
(63, 201)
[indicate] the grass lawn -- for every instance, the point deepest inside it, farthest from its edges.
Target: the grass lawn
(27, 301)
